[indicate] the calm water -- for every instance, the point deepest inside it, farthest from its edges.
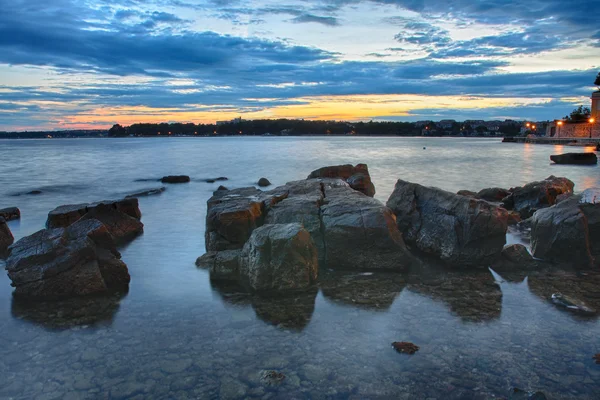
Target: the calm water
(174, 335)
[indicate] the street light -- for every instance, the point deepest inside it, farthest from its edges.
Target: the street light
(592, 120)
(559, 124)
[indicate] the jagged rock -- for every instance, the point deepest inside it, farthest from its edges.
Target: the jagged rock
(231, 217)
(175, 179)
(120, 217)
(569, 231)
(466, 193)
(537, 195)
(263, 182)
(279, 257)
(357, 176)
(223, 265)
(361, 233)
(221, 188)
(147, 192)
(10, 213)
(513, 218)
(495, 195)
(459, 230)
(6, 237)
(575, 158)
(79, 260)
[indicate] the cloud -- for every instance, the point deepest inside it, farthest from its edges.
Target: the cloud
(304, 18)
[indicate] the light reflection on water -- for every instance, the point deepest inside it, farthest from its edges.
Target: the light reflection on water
(177, 335)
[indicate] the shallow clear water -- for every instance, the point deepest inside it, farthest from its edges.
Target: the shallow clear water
(175, 335)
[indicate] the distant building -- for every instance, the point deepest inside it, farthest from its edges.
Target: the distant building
(446, 124)
(232, 121)
(583, 129)
(419, 124)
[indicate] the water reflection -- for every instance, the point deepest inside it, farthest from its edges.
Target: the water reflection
(474, 296)
(372, 291)
(69, 313)
(292, 311)
(575, 292)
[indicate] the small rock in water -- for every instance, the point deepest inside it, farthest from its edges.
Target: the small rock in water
(10, 213)
(405, 347)
(175, 179)
(597, 358)
(571, 304)
(213, 180)
(34, 192)
(147, 192)
(262, 182)
(271, 378)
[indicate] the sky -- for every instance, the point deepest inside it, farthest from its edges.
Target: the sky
(72, 64)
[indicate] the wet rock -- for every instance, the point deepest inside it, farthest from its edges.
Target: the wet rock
(221, 188)
(175, 179)
(575, 158)
(357, 177)
(223, 265)
(271, 378)
(514, 263)
(572, 304)
(563, 197)
(513, 218)
(361, 233)
(121, 226)
(64, 262)
(263, 182)
(231, 217)
(6, 237)
(537, 195)
(63, 216)
(459, 230)
(279, 257)
(569, 232)
(10, 213)
(405, 347)
(494, 195)
(213, 180)
(147, 192)
(467, 193)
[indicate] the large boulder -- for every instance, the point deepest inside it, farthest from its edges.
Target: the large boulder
(63, 262)
(360, 233)
(232, 215)
(6, 237)
(10, 213)
(575, 158)
(537, 195)
(279, 257)
(569, 232)
(358, 176)
(122, 217)
(459, 230)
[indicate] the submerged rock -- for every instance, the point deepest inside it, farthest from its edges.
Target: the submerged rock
(79, 260)
(279, 257)
(213, 180)
(534, 196)
(175, 179)
(575, 158)
(569, 232)
(10, 213)
(405, 347)
(459, 230)
(147, 192)
(358, 176)
(518, 394)
(122, 217)
(6, 237)
(271, 378)
(263, 182)
(223, 265)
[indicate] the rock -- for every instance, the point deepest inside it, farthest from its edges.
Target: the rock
(6, 237)
(231, 217)
(223, 265)
(10, 213)
(467, 193)
(34, 192)
(120, 217)
(147, 192)
(569, 231)
(513, 218)
(596, 358)
(357, 176)
(514, 258)
(563, 197)
(213, 180)
(175, 179)
(271, 378)
(494, 195)
(405, 347)
(360, 233)
(222, 188)
(575, 158)
(279, 257)
(572, 304)
(534, 196)
(63, 262)
(459, 230)
(263, 182)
